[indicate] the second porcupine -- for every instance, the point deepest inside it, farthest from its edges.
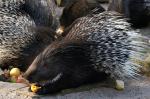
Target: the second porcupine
(98, 46)
(20, 39)
(138, 11)
(75, 9)
(44, 12)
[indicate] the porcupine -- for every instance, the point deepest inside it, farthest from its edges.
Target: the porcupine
(97, 46)
(138, 11)
(75, 9)
(21, 38)
(44, 12)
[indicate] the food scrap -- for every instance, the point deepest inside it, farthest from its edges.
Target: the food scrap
(119, 85)
(34, 88)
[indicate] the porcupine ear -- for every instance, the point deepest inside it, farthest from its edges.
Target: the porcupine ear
(62, 3)
(58, 2)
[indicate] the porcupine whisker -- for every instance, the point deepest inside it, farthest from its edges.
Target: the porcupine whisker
(56, 78)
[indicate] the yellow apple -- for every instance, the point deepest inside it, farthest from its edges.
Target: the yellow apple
(15, 72)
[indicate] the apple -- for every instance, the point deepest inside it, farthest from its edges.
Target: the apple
(15, 72)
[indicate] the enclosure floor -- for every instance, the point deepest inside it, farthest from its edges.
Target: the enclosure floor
(139, 89)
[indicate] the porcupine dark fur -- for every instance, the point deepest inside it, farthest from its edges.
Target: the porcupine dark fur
(98, 46)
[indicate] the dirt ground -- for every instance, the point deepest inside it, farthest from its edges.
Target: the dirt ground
(136, 89)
